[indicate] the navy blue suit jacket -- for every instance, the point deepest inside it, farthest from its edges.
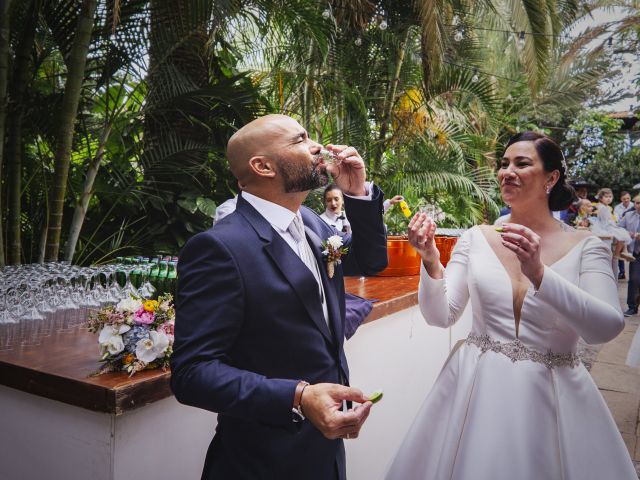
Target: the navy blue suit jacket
(249, 326)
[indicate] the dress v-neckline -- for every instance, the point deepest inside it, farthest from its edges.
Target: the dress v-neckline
(511, 281)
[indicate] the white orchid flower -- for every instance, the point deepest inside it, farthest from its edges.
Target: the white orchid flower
(148, 349)
(110, 338)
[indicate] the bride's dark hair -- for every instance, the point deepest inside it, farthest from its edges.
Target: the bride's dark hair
(552, 158)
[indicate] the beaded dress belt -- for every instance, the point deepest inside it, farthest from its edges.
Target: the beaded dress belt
(517, 351)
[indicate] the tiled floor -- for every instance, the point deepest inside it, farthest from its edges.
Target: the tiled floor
(620, 384)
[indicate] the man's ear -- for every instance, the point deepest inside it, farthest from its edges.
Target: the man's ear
(262, 166)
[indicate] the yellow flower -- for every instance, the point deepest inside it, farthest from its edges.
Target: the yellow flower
(150, 305)
(129, 359)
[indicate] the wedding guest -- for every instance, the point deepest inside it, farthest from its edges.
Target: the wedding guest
(513, 400)
(390, 202)
(225, 208)
(334, 214)
(631, 223)
(624, 205)
(581, 188)
(259, 327)
(618, 212)
(585, 218)
(621, 238)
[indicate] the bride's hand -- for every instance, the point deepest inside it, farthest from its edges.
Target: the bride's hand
(422, 232)
(525, 243)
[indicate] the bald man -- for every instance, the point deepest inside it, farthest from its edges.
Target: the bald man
(260, 323)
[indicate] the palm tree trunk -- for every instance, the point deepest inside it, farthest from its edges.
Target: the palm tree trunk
(4, 68)
(81, 209)
(306, 108)
(19, 82)
(389, 103)
(75, 76)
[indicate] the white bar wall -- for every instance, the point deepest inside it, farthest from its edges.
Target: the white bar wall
(42, 438)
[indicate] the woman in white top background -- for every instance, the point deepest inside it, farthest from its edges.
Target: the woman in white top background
(513, 401)
(334, 209)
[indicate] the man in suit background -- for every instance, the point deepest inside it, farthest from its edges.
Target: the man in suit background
(260, 323)
(631, 221)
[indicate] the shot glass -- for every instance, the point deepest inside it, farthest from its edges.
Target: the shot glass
(330, 158)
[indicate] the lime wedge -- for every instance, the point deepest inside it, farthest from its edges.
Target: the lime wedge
(499, 229)
(375, 396)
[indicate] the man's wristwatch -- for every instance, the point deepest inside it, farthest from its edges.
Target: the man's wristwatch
(298, 416)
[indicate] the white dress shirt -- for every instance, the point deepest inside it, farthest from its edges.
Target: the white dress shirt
(338, 221)
(278, 216)
(631, 222)
(620, 209)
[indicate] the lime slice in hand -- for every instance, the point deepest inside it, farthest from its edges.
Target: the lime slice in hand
(499, 229)
(375, 396)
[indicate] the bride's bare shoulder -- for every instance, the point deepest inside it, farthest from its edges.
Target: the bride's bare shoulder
(578, 234)
(574, 236)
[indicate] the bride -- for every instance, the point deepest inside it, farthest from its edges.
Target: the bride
(514, 401)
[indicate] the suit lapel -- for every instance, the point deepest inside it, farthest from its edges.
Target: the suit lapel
(300, 279)
(292, 267)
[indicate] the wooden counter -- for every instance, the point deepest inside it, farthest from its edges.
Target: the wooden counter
(393, 293)
(61, 367)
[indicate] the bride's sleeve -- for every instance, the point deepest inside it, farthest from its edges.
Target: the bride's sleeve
(442, 301)
(592, 307)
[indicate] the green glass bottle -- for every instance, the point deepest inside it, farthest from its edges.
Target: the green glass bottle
(172, 278)
(153, 274)
(121, 277)
(136, 274)
(162, 277)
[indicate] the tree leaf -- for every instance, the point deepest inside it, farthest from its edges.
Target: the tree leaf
(206, 206)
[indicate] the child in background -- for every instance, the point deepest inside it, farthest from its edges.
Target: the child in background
(607, 223)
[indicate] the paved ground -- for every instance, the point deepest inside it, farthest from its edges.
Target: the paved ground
(618, 383)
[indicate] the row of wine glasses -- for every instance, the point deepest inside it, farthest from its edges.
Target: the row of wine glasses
(39, 300)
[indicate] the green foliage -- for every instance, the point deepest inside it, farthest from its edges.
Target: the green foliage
(165, 88)
(394, 218)
(599, 153)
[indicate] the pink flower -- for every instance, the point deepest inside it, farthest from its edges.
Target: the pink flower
(115, 317)
(143, 317)
(167, 329)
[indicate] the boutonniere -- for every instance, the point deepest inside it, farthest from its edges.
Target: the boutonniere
(333, 252)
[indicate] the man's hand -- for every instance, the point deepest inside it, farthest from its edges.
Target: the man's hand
(322, 405)
(350, 173)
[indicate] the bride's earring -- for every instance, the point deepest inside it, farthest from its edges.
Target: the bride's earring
(547, 189)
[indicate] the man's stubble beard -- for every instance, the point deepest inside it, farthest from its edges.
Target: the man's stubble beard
(297, 177)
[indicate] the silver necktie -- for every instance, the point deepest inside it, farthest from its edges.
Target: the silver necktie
(296, 229)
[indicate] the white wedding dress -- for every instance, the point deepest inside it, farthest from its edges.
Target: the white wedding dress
(525, 409)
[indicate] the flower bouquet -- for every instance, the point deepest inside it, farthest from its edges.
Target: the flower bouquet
(135, 334)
